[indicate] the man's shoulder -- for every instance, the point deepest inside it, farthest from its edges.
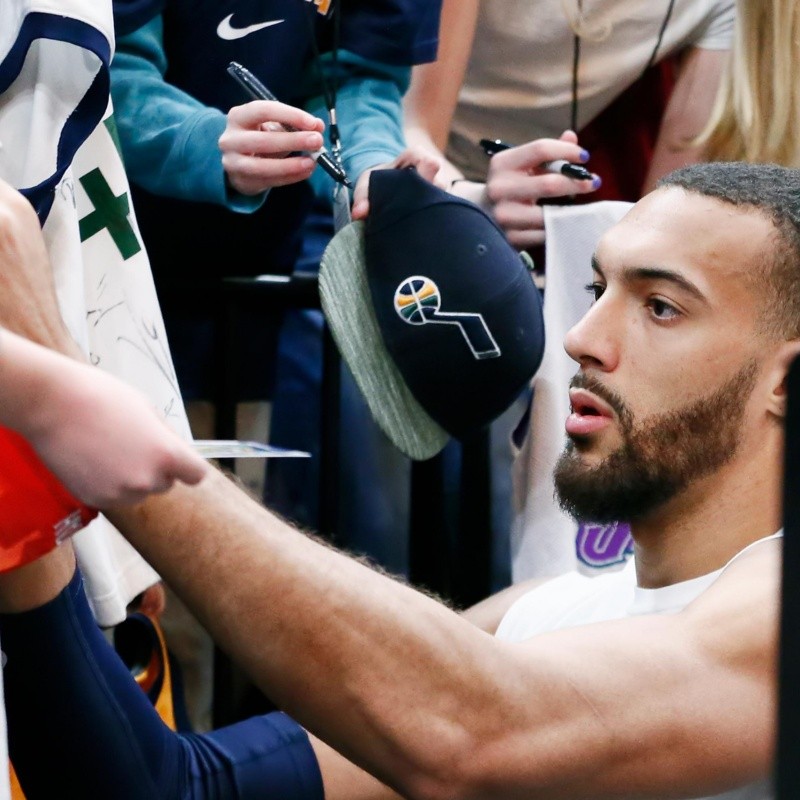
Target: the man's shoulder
(754, 572)
(737, 618)
(569, 600)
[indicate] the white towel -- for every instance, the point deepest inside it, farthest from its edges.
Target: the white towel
(544, 540)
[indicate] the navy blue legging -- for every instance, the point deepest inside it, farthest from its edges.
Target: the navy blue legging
(80, 726)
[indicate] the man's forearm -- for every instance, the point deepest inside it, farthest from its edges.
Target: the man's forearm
(28, 304)
(29, 375)
(257, 586)
(434, 707)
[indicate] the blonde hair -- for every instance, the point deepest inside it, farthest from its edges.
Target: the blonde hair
(756, 115)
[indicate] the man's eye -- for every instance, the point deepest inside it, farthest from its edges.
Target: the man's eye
(595, 289)
(662, 310)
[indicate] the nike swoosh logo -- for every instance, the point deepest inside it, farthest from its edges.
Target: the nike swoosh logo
(227, 32)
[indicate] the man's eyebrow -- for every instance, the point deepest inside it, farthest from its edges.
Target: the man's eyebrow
(655, 274)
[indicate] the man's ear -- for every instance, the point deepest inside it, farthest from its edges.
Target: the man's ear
(782, 361)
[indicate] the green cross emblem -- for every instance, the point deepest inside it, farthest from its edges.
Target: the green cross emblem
(110, 213)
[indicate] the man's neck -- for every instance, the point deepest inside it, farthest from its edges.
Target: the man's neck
(704, 527)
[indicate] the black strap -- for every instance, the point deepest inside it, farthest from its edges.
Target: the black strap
(576, 59)
(329, 87)
(660, 38)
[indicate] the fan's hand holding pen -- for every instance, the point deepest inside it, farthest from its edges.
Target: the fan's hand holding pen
(519, 177)
(259, 151)
(270, 130)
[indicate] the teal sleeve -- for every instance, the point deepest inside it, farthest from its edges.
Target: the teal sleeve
(169, 139)
(369, 111)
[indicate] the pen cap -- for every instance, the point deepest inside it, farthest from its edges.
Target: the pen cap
(433, 310)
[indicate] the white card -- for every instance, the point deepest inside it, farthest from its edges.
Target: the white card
(231, 448)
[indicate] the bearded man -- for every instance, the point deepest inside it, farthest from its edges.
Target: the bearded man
(657, 681)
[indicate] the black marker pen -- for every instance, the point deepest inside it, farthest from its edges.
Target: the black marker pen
(575, 171)
(258, 91)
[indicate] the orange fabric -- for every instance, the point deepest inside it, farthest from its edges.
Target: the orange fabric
(16, 789)
(158, 670)
(37, 512)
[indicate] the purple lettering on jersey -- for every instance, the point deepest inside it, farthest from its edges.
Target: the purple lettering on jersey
(603, 545)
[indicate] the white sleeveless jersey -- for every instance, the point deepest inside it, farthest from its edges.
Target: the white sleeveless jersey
(575, 599)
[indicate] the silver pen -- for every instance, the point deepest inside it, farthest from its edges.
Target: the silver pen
(258, 91)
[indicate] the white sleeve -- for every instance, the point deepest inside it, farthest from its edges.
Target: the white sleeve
(716, 33)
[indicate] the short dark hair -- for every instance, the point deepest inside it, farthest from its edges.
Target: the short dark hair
(775, 192)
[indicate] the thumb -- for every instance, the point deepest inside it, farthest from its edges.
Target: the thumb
(360, 209)
(188, 466)
(427, 168)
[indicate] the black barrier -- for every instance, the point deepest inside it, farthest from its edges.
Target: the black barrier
(788, 763)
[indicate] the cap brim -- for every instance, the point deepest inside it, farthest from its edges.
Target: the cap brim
(347, 305)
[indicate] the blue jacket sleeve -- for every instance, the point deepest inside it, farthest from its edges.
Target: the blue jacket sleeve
(369, 111)
(169, 139)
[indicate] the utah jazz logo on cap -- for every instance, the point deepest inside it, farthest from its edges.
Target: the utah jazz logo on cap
(417, 300)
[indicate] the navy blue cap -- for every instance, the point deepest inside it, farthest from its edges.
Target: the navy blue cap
(434, 311)
(455, 302)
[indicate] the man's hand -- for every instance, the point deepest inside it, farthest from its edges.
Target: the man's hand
(425, 164)
(517, 181)
(259, 146)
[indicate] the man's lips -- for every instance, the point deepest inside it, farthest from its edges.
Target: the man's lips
(589, 413)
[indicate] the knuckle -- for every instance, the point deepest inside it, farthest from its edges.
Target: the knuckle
(495, 190)
(551, 185)
(503, 215)
(537, 151)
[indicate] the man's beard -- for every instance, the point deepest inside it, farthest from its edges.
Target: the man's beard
(658, 458)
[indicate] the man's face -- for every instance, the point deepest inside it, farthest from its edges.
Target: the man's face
(668, 355)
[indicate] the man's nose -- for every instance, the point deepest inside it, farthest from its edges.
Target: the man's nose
(592, 342)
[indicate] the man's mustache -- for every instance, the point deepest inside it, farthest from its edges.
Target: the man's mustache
(584, 381)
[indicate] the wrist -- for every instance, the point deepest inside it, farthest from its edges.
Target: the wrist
(473, 191)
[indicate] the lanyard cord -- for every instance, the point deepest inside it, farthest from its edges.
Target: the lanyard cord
(660, 38)
(576, 59)
(329, 87)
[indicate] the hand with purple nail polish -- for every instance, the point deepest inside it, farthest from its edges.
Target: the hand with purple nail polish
(519, 177)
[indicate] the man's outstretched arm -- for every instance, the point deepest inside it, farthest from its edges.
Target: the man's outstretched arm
(436, 708)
